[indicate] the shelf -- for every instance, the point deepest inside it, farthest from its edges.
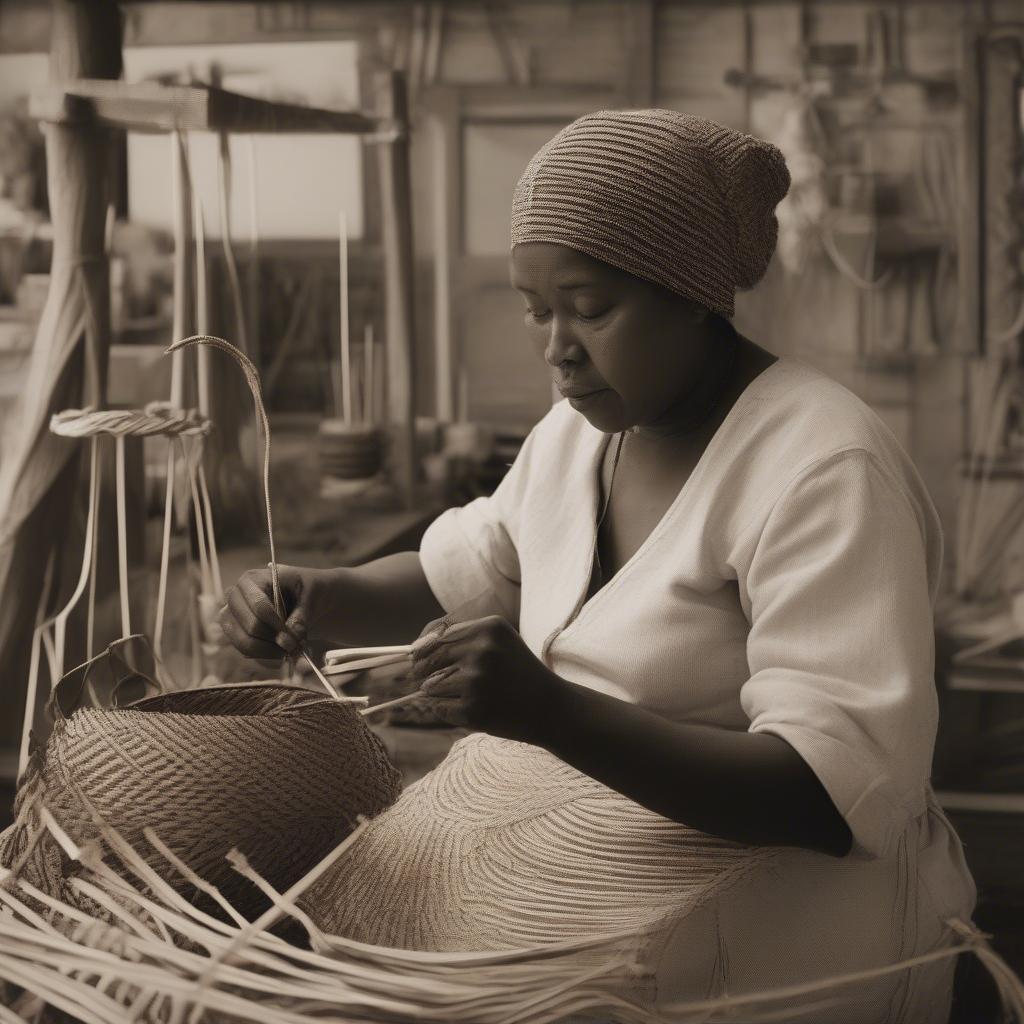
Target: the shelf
(963, 679)
(1007, 465)
(992, 803)
(154, 107)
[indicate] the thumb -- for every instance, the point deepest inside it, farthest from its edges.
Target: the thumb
(429, 635)
(293, 593)
(478, 607)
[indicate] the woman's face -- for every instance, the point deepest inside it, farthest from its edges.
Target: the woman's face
(623, 350)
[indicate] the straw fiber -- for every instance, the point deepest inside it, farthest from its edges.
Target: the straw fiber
(275, 771)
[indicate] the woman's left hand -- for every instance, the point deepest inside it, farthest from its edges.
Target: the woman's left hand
(480, 674)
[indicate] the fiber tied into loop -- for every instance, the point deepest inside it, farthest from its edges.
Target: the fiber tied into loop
(158, 419)
(252, 378)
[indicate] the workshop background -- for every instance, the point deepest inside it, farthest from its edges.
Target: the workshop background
(367, 280)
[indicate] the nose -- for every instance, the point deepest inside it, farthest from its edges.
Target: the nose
(560, 346)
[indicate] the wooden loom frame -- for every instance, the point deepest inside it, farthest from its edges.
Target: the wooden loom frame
(81, 108)
(150, 106)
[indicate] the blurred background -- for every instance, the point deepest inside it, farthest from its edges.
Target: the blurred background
(363, 267)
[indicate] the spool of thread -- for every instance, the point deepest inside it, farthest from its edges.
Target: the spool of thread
(349, 451)
(437, 469)
(428, 436)
(472, 440)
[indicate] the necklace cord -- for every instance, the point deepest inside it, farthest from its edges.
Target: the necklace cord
(720, 386)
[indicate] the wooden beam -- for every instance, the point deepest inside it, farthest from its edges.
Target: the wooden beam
(444, 135)
(396, 200)
(640, 85)
(68, 365)
(155, 107)
(1002, 70)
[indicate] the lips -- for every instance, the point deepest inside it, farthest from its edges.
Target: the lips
(576, 391)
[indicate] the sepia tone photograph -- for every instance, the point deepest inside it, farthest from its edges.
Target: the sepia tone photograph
(512, 512)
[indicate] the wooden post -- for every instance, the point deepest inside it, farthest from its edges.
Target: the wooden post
(1003, 60)
(68, 365)
(639, 34)
(442, 130)
(396, 227)
(970, 279)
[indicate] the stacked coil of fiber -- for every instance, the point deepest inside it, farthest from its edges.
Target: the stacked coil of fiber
(349, 451)
(507, 847)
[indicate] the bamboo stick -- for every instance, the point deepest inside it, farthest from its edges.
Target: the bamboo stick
(346, 355)
(122, 537)
(346, 667)
(180, 212)
(202, 305)
(368, 411)
(253, 265)
(342, 653)
(397, 230)
(386, 705)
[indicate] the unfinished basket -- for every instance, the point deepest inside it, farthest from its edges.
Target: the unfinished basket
(277, 772)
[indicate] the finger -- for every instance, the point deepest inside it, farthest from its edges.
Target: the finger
(434, 659)
(245, 617)
(444, 683)
(429, 634)
(450, 653)
(259, 601)
(248, 645)
(448, 636)
(449, 710)
(295, 626)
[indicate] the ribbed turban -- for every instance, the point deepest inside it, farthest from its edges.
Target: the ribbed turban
(683, 202)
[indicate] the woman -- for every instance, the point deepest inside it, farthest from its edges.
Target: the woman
(705, 585)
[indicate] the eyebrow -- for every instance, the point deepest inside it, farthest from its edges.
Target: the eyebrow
(568, 287)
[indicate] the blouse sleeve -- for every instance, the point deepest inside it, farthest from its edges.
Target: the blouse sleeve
(841, 646)
(469, 553)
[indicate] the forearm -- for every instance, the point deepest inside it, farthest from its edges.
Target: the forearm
(386, 601)
(749, 787)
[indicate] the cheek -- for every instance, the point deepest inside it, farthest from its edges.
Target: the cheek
(637, 362)
(538, 338)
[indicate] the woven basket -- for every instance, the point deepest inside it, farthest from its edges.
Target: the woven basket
(275, 771)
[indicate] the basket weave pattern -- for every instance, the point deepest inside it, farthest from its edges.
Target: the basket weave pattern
(504, 846)
(274, 771)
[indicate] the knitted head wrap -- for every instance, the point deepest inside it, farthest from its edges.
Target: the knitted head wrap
(674, 199)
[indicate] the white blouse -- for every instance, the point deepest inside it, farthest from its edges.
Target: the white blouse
(788, 589)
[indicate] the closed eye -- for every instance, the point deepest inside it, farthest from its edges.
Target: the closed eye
(535, 316)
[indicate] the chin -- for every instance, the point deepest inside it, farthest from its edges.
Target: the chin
(605, 423)
(600, 413)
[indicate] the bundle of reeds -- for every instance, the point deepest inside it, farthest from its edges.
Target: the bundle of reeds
(156, 957)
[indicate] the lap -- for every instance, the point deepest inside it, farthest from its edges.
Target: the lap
(806, 917)
(505, 847)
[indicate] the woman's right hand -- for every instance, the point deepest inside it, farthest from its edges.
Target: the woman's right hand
(251, 622)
